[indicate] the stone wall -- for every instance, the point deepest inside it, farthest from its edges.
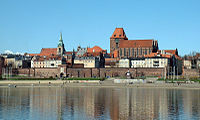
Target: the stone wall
(191, 72)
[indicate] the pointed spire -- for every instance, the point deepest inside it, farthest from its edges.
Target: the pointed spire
(60, 43)
(60, 36)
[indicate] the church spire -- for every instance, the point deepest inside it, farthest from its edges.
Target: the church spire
(60, 43)
(61, 36)
(60, 48)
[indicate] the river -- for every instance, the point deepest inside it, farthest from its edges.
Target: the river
(85, 103)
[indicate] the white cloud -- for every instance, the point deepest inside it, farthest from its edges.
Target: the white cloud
(10, 52)
(19, 53)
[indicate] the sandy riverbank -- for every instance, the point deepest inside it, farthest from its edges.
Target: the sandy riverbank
(60, 83)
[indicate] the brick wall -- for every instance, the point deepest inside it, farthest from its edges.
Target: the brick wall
(38, 72)
(91, 72)
(114, 72)
(46, 72)
(150, 72)
(191, 72)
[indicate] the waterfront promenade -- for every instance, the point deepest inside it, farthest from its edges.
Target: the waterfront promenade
(94, 83)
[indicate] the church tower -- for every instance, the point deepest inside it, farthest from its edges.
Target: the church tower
(118, 36)
(60, 48)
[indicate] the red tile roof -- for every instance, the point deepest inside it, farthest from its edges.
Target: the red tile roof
(111, 59)
(48, 51)
(48, 58)
(95, 49)
(119, 33)
(157, 54)
(136, 43)
(171, 51)
(33, 55)
(69, 52)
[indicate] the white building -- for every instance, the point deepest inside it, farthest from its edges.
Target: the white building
(138, 63)
(124, 63)
(151, 61)
(89, 62)
(187, 64)
(47, 62)
(157, 62)
(198, 63)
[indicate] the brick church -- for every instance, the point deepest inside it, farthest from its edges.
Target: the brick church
(121, 47)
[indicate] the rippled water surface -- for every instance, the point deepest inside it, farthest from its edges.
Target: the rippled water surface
(55, 103)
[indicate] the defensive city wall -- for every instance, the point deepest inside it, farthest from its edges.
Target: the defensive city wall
(191, 72)
(90, 72)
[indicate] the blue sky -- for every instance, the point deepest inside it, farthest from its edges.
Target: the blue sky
(29, 25)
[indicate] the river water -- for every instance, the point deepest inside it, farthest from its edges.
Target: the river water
(85, 103)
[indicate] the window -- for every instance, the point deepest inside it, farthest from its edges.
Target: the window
(117, 45)
(120, 52)
(119, 35)
(114, 35)
(145, 52)
(124, 51)
(149, 50)
(59, 50)
(140, 51)
(137, 51)
(129, 52)
(133, 52)
(52, 64)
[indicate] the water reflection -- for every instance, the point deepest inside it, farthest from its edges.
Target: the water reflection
(98, 103)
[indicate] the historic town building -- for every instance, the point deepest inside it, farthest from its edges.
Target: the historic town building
(59, 51)
(47, 61)
(121, 47)
(88, 62)
(1, 64)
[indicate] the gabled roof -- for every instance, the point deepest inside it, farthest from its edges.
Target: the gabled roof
(119, 33)
(136, 43)
(68, 52)
(157, 54)
(43, 58)
(95, 49)
(48, 51)
(171, 51)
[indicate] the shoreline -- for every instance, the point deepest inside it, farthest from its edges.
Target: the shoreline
(62, 83)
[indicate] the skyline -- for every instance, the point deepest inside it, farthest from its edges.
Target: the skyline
(29, 26)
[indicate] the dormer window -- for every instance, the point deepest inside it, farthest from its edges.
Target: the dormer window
(114, 35)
